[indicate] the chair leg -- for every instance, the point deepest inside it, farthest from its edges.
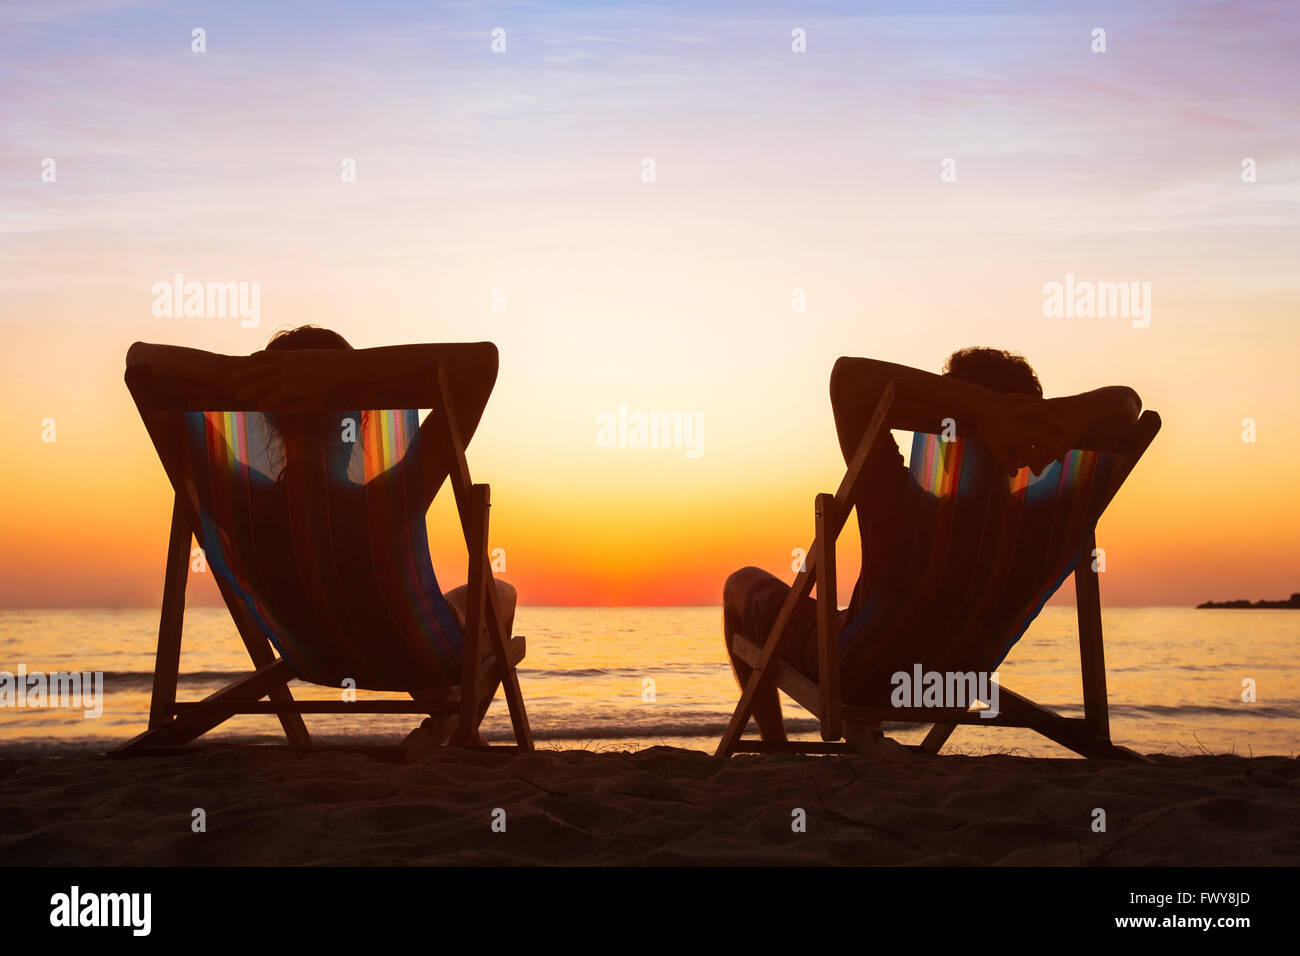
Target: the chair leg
(1092, 656)
(828, 645)
(1072, 734)
(498, 637)
(937, 737)
(476, 543)
(263, 656)
(214, 709)
(170, 630)
(167, 662)
(518, 715)
(509, 680)
(485, 616)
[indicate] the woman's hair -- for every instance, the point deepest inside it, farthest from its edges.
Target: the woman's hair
(999, 370)
(305, 337)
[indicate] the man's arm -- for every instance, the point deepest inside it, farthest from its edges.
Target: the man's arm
(1116, 404)
(921, 401)
(921, 398)
(1067, 420)
(1018, 429)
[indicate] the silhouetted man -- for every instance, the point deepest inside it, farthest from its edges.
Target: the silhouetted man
(994, 396)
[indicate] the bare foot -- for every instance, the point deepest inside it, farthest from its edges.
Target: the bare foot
(870, 742)
(455, 739)
(429, 736)
(436, 732)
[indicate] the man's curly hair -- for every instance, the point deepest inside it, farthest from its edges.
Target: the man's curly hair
(997, 369)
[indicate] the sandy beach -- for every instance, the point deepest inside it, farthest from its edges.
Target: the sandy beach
(660, 806)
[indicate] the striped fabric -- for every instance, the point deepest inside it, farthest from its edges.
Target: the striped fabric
(325, 546)
(981, 555)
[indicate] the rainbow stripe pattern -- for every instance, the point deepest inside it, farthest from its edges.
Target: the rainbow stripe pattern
(323, 547)
(976, 556)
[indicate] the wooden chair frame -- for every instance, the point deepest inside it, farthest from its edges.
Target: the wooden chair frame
(1088, 735)
(487, 651)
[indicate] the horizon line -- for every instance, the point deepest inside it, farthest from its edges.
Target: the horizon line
(571, 607)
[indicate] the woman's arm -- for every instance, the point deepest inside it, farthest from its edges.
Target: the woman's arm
(208, 369)
(300, 380)
(470, 369)
(304, 379)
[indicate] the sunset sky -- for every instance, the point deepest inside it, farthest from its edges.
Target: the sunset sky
(522, 171)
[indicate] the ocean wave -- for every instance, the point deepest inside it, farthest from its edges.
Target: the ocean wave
(143, 680)
(704, 726)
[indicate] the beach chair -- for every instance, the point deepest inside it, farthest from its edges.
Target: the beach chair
(367, 621)
(954, 616)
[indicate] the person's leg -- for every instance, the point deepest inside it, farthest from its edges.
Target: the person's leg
(736, 594)
(866, 737)
(458, 599)
(433, 730)
(868, 740)
(507, 601)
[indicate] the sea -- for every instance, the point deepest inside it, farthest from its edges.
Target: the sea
(1181, 681)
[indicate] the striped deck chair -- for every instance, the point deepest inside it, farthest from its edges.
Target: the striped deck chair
(979, 568)
(308, 602)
